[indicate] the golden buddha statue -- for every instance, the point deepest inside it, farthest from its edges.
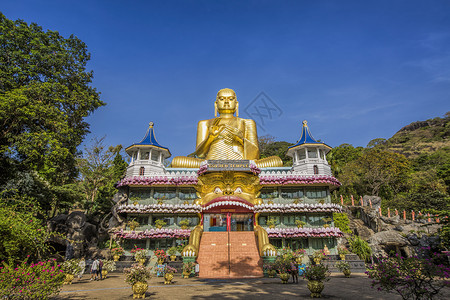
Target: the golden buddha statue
(226, 137)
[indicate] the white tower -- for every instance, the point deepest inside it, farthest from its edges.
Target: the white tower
(309, 155)
(147, 156)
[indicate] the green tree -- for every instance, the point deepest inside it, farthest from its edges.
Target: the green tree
(270, 147)
(100, 168)
(22, 232)
(45, 95)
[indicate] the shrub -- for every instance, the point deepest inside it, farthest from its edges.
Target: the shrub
(169, 269)
(411, 278)
(71, 266)
(160, 254)
(117, 251)
(317, 272)
(342, 265)
(172, 250)
(360, 247)
(137, 273)
(139, 253)
(283, 265)
(188, 267)
(341, 221)
(30, 281)
(109, 265)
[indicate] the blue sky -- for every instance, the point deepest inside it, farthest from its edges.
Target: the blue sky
(356, 70)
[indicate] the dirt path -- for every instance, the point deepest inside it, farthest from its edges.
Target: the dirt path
(357, 287)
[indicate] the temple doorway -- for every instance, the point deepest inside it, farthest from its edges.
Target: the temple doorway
(227, 222)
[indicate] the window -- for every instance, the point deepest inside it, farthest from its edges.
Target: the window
(141, 171)
(187, 194)
(316, 169)
(145, 155)
(316, 193)
(193, 221)
(269, 193)
(291, 193)
(312, 153)
(301, 154)
(164, 193)
(155, 155)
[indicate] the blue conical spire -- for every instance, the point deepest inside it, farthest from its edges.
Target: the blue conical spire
(149, 138)
(306, 137)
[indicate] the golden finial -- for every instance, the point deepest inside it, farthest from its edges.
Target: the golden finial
(305, 123)
(151, 124)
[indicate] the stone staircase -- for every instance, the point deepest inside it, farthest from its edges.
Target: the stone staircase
(239, 259)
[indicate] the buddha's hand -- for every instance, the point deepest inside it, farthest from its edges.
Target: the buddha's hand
(215, 129)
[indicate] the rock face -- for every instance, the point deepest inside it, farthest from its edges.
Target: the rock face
(386, 235)
(80, 234)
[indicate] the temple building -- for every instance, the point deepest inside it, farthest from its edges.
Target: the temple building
(230, 209)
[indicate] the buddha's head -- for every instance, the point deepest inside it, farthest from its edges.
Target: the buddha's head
(226, 102)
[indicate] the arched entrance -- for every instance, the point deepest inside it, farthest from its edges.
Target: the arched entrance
(228, 245)
(228, 213)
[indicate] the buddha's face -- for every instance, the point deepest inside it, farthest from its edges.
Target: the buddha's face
(226, 101)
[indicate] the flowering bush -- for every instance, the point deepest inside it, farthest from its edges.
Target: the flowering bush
(71, 266)
(342, 265)
(139, 253)
(268, 266)
(188, 267)
(317, 272)
(319, 254)
(117, 251)
(169, 269)
(303, 232)
(160, 254)
(30, 281)
(137, 273)
(299, 253)
(154, 234)
(410, 277)
(109, 265)
(342, 250)
(283, 265)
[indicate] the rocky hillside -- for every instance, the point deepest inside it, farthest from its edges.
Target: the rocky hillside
(421, 137)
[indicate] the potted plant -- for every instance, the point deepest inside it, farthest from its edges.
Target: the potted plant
(172, 251)
(299, 254)
(344, 267)
(342, 251)
(283, 267)
(133, 224)
(184, 223)
(139, 254)
(108, 267)
(161, 255)
(160, 223)
(271, 222)
(188, 268)
(137, 277)
(299, 223)
(318, 256)
(168, 274)
(316, 275)
(71, 267)
(269, 268)
(117, 253)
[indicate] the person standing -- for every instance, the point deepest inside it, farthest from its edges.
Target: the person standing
(82, 265)
(94, 269)
(100, 268)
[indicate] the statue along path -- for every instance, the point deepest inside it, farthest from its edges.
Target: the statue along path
(357, 287)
